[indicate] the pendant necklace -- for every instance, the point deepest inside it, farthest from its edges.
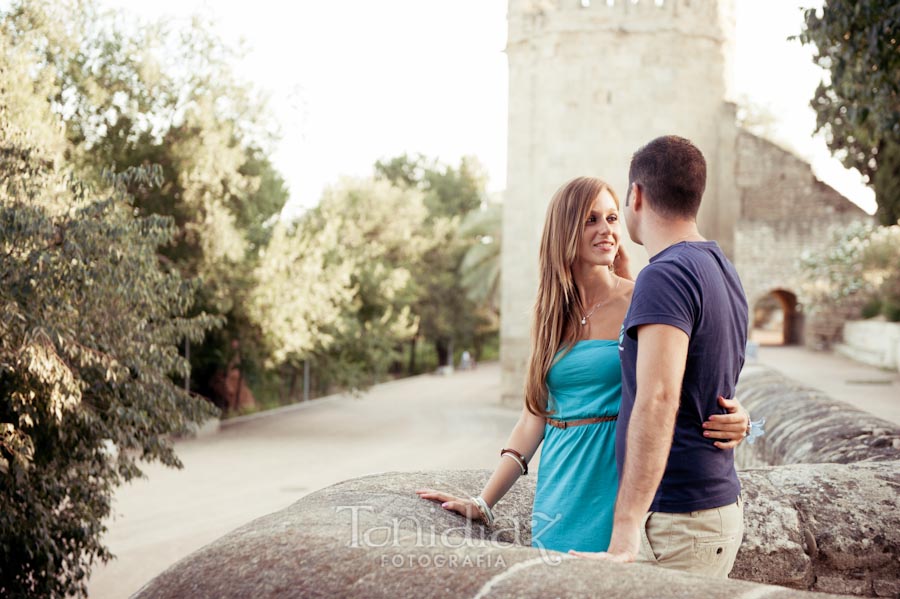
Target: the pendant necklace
(584, 319)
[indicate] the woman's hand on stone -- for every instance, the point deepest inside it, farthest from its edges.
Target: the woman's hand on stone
(460, 505)
(730, 428)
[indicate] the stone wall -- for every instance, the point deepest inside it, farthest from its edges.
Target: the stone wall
(846, 526)
(827, 527)
(763, 204)
(574, 109)
(805, 426)
(784, 212)
(823, 528)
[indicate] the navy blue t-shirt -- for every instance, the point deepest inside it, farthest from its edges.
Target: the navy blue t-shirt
(691, 286)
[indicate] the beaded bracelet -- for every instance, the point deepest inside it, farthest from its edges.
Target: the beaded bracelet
(518, 457)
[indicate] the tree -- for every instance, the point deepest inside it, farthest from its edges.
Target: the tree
(336, 287)
(133, 95)
(447, 315)
(301, 291)
(89, 330)
(858, 44)
(857, 275)
(480, 268)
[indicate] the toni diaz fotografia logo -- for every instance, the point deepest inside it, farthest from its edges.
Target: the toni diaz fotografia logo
(409, 533)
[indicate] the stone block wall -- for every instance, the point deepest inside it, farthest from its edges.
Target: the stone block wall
(806, 426)
(785, 211)
(823, 527)
(830, 526)
(574, 109)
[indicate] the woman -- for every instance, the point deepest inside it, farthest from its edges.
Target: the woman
(573, 383)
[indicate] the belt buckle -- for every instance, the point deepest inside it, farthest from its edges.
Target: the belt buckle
(563, 424)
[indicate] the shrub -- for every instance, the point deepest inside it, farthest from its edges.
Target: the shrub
(859, 272)
(89, 330)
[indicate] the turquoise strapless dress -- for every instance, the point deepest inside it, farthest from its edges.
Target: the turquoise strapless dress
(577, 479)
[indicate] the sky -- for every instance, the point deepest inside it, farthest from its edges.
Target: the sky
(354, 81)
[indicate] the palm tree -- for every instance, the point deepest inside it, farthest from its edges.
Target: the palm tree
(480, 267)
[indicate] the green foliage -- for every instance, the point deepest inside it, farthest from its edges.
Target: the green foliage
(859, 109)
(859, 270)
(89, 327)
(448, 192)
(857, 42)
(93, 304)
(377, 263)
(135, 94)
(891, 311)
(255, 210)
(480, 268)
(887, 183)
(871, 308)
(836, 274)
(336, 287)
(171, 185)
(883, 264)
(448, 315)
(300, 292)
(480, 272)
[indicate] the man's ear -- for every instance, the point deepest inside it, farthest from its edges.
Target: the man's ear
(637, 197)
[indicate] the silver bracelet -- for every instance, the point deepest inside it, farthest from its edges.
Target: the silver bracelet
(484, 509)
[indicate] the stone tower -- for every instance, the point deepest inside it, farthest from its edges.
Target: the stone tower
(590, 81)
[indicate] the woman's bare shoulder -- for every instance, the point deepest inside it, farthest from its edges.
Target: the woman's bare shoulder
(626, 287)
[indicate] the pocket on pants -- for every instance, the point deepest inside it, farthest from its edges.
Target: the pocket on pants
(658, 529)
(713, 550)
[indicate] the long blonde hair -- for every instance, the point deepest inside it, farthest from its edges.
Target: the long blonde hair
(558, 303)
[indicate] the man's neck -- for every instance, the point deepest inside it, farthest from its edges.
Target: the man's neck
(666, 233)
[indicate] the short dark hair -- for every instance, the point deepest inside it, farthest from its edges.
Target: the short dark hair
(671, 173)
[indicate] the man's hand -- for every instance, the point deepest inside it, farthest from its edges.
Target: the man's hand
(604, 556)
(621, 550)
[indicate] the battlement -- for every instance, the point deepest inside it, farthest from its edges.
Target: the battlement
(628, 6)
(706, 18)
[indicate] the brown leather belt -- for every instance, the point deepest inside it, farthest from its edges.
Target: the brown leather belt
(567, 423)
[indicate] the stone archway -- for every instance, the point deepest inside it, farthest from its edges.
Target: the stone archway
(776, 319)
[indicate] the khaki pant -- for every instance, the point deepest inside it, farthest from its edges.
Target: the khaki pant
(704, 542)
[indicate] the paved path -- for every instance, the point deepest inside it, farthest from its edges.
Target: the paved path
(866, 387)
(257, 466)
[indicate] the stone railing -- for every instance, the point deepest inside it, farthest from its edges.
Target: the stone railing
(805, 426)
(827, 527)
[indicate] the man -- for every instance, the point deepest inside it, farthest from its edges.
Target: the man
(682, 346)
